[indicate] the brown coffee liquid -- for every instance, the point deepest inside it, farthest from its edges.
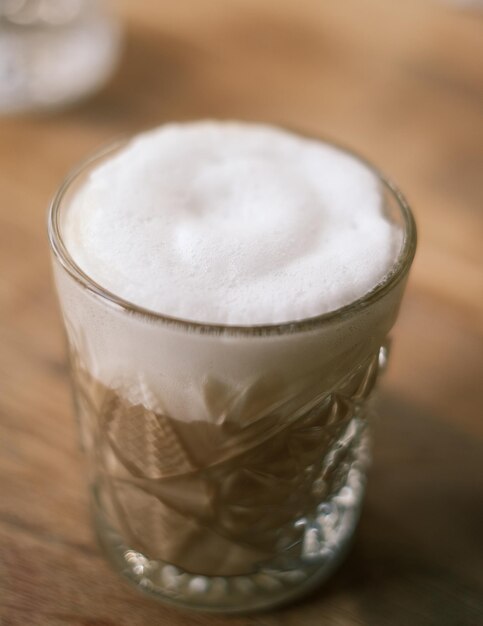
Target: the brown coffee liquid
(220, 498)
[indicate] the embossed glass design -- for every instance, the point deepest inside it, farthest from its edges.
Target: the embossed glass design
(228, 491)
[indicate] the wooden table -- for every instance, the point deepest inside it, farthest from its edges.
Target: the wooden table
(401, 82)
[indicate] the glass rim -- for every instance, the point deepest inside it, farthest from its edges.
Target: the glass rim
(396, 273)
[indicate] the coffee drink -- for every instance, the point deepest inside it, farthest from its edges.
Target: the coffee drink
(226, 289)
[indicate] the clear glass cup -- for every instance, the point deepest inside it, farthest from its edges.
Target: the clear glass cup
(54, 52)
(214, 488)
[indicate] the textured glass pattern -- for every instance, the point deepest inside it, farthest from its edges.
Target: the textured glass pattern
(274, 494)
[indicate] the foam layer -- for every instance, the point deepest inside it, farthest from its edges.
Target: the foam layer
(232, 223)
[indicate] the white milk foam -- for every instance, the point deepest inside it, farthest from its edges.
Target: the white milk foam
(232, 223)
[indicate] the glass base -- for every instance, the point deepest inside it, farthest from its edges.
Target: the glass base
(327, 539)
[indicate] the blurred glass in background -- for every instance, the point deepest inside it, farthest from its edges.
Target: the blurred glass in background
(54, 52)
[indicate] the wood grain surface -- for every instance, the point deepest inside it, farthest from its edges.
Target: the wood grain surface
(401, 82)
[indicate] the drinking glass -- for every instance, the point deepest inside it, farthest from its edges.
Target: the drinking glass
(226, 464)
(54, 52)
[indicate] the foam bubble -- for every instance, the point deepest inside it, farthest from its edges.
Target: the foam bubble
(232, 223)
